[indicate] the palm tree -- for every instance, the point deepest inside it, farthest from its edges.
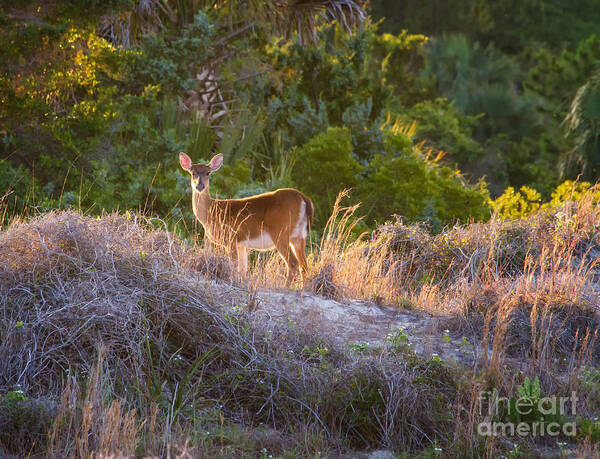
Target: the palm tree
(279, 17)
(233, 19)
(583, 127)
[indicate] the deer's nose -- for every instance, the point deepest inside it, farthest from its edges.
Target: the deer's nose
(200, 186)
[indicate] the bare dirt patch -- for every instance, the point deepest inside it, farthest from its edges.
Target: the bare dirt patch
(358, 322)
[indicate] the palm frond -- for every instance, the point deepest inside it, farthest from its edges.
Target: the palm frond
(301, 16)
(583, 128)
(124, 29)
(277, 16)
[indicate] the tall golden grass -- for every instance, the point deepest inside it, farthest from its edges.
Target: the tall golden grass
(138, 338)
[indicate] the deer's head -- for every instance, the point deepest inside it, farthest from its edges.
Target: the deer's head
(200, 173)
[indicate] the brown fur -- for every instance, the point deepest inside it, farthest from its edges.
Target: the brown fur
(234, 222)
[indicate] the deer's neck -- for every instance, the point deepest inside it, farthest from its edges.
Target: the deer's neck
(201, 202)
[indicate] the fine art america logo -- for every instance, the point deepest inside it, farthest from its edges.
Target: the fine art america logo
(528, 414)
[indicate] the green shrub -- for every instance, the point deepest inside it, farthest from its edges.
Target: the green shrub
(517, 204)
(529, 406)
(527, 201)
(572, 191)
(590, 429)
(325, 166)
(445, 128)
(367, 137)
(406, 183)
(173, 64)
(231, 180)
(399, 58)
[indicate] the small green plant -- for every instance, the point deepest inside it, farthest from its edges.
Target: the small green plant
(317, 354)
(398, 341)
(446, 336)
(527, 401)
(530, 406)
(465, 344)
(13, 397)
(590, 377)
(515, 452)
(590, 429)
(360, 348)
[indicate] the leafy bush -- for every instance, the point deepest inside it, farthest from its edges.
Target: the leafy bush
(401, 181)
(480, 80)
(407, 183)
(527, 201)
(329, 84)
(367, 138)
(447, 129)
(517, 204)
(399, 59)
(573, 191)
(556, 75)
(231, 180)
(325, 166)
(173, 64)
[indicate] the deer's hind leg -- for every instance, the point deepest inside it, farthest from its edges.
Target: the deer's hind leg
(284, 247)
(298, 245)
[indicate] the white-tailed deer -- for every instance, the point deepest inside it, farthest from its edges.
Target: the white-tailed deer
(279, 219)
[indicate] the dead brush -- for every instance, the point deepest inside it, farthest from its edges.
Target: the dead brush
(539, 316)
(93, 427)
(174, 337)
(553, 303)
(71, 279)
(175, 342)
(266, 269)
(353, 267)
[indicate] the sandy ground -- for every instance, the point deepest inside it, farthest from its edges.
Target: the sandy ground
(363, 323)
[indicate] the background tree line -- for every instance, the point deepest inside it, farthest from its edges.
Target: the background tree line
(430, 113)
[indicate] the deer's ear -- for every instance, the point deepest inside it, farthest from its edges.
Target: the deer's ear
(216, 162)
(185, 161)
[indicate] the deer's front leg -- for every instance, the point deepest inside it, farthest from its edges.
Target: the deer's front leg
(241, 256)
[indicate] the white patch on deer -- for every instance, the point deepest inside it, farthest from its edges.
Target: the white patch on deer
(300, 230)
(262, 242)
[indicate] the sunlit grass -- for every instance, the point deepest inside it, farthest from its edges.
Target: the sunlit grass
(154, 335)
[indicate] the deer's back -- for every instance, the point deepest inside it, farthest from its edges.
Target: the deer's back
(273, 213)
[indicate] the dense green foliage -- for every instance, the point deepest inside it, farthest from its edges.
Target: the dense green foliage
(527, 201)
(511, 24)
(93, 117)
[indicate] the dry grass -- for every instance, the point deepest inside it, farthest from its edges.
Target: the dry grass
(526, 291)
(93, 426)
(142, 343)
(534, 281)
(124, 327)
(342, 266)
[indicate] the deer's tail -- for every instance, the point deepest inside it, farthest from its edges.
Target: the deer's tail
(310, 212)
